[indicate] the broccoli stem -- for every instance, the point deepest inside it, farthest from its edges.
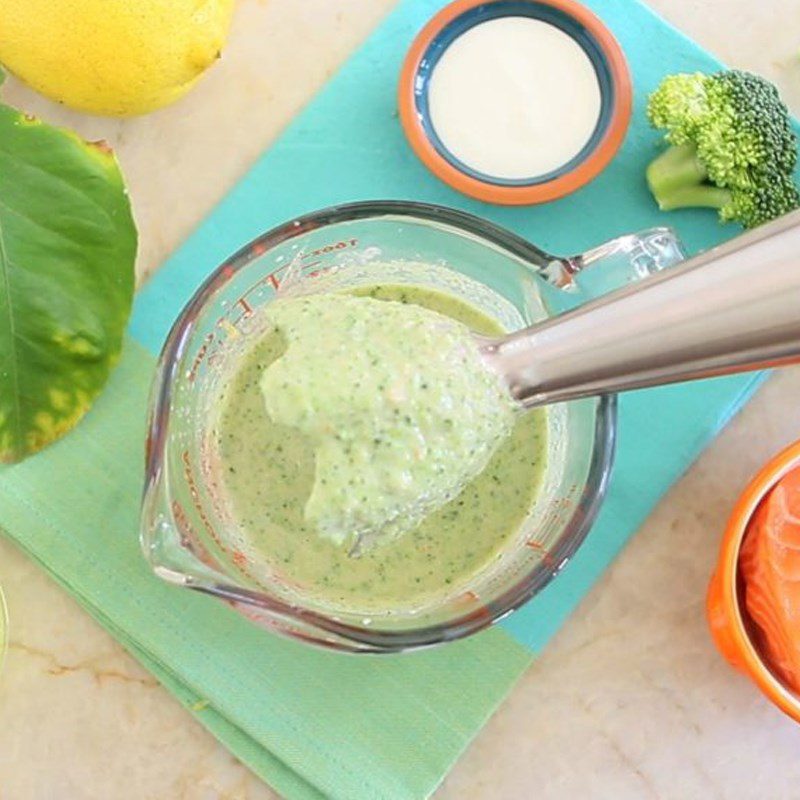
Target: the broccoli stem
(704, 195)
(677, 180)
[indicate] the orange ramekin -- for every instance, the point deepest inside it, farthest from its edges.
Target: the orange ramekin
(518, 193)
(724, 603)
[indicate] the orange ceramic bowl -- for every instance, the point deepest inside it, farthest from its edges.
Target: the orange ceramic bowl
(724, 603)
(572, 18)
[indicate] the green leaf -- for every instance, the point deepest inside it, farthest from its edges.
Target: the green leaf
(67, 250)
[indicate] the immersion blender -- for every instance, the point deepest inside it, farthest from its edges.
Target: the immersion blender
(730, 309)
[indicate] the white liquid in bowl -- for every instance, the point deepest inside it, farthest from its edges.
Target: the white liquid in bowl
(514, 98)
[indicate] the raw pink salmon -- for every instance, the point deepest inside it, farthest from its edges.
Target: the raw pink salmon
(770, 569)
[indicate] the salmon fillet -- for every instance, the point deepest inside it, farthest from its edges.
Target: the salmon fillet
(770, 569)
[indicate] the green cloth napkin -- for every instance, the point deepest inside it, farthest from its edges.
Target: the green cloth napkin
(313, 723)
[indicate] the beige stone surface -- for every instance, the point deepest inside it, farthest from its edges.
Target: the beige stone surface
(630, 701)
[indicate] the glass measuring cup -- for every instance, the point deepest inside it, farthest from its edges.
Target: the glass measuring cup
(185, 526)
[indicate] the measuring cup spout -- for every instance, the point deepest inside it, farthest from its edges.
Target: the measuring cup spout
(731, 309)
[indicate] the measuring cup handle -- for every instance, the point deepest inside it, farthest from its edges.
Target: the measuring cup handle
(615, 264)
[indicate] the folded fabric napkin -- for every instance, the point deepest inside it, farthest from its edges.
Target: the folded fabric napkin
(312, 723)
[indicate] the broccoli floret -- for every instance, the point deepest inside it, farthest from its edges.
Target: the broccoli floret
(732, 147)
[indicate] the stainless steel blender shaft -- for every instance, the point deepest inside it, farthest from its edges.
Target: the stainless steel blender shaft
(733, 308)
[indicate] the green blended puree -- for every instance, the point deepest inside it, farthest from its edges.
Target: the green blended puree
(398, 402)
(293, 465)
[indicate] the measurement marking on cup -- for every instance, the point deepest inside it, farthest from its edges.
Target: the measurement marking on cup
(188, 534)
(201, 354)
(330, 248)
(543, 552)
(248, 309)
(274, 278)
(246, 306)
(195, 495)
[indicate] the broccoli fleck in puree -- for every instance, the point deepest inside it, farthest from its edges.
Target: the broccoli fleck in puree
(268, 466)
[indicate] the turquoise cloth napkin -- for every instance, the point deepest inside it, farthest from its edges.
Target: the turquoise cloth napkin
(312, 723)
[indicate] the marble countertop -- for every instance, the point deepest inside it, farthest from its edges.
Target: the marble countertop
(630, 701)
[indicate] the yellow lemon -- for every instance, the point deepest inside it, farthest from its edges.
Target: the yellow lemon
(112, 57)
